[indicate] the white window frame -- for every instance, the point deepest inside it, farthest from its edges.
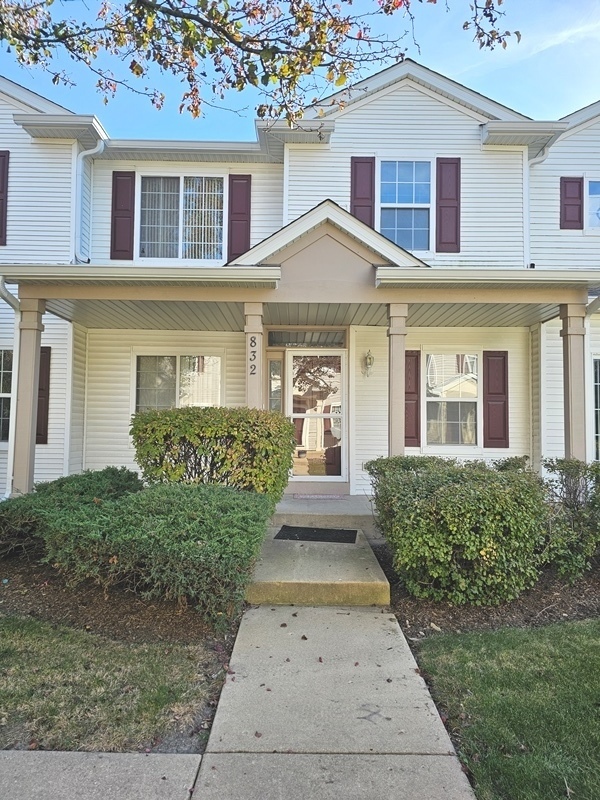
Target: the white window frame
(176, 352)
(465, 450)
(181, 174)
(9, 395)
(432, 199)
(595, 426)
(587, 178)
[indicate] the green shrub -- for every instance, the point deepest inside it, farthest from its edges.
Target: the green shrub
(21, 518)
(511, 464)
(463, 533)
(574, 526)
(193, 544)
(240, 447)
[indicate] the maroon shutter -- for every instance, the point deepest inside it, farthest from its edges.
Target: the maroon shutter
(571, 204)
(495, 399)
(362, 189)
(41, 434)
(238, 239)
(4, 156)
(122, 215)
(412, 399)
(447, 212)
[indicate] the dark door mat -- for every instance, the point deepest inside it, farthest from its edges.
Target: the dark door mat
(301, 534)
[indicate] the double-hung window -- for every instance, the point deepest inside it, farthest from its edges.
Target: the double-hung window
(169, 381)
(452, 398)
(405, 203)
(182, 217)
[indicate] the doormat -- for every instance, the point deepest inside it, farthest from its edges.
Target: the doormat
(301, 534)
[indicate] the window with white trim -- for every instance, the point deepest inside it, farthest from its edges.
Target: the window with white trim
(177, 380)
(593, 205)
(452, 398)
(6, 370)
(181, 217)
(405, 203)
(597, 409)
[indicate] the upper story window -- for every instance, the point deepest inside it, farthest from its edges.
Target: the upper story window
(405, 203)
(594, 204)
(181, 218)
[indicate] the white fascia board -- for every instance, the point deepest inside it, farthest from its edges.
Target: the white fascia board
(583, 114)
(328, 211)
(90, 275)
(526, 130)
(393, 276)
(67, 126)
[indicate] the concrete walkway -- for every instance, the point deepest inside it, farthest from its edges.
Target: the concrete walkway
(327, 703)
(319, 703)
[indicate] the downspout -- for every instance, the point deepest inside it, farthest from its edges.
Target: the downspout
(8, 297)
(79, 259)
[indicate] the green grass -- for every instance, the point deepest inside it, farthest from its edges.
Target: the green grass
(65, 689)
(524, 706)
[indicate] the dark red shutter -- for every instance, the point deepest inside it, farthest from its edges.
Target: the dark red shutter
(4, 156)
(41, 434)
(122, 215)
(495, 399)
(412, 398)
(362, 189)
(238, 238)
(447, 212)
(571, 203)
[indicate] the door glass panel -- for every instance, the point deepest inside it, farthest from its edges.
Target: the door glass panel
(275, 384)
(317, 414)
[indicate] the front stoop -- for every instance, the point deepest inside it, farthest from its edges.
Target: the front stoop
(318, 574)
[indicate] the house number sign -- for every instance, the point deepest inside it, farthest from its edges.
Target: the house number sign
(252, 356)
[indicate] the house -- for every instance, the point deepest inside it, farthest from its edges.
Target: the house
(414, 271)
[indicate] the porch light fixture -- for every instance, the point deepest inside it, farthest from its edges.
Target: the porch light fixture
(369, 362)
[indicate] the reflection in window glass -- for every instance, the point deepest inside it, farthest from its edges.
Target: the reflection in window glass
(275, 384)
(594, 204)
(168, 381)
(316, 381)
(452, 394)
(200, 381)
(156, 382)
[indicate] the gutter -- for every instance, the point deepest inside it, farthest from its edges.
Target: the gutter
(79, 259)
(8, 297)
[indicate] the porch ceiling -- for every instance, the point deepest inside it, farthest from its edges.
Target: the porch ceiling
(229, 316)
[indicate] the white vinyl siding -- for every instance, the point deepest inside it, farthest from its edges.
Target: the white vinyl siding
(78, 370)
(111, 389)
(267, 196)
(40, 176)
(536, 395)
(576, 155)
(407, 124)
(370, 407)
(553, 436)
(86, 210)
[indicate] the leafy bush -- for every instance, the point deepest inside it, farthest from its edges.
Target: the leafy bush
(178, 542)
(511, 464)
(21, 518)
(240, 447)
(463, 533)
(574, 526)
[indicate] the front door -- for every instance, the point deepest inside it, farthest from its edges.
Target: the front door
(316, 403)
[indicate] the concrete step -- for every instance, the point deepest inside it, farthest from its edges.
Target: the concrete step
(318, 574)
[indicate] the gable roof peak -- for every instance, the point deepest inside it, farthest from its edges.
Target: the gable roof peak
(29, 98)
(408, 69)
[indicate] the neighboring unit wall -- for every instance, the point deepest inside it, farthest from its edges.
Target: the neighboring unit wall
(267, 196)
(576, 155)
(86, 209)
(553, 431)
(371, 393)
(406, 123)
(110, 394)
(39, 194)
(536, 395)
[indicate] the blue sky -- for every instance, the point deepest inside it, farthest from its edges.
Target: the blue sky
(552, 72)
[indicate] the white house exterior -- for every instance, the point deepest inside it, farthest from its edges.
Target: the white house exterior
(414, 271)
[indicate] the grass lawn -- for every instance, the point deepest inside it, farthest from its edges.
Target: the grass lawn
(523, 707)
(66, 689)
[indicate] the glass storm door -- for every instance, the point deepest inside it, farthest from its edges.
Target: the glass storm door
(316, 405)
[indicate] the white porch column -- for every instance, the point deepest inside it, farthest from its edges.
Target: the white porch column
(573, 336)
(28, 374)
(397, 313)
(253, 314)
